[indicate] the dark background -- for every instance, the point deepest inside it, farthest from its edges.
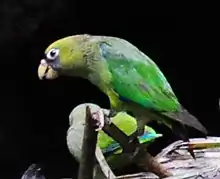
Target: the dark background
(34, 114)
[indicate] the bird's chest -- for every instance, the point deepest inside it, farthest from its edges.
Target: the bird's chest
(102, 78)
(115, 102)
(106, 88)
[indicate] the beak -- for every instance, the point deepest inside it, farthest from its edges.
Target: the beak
(46, 72)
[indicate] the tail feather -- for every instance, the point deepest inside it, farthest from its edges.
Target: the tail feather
(180, 131)
(186, 118)
(177, 121)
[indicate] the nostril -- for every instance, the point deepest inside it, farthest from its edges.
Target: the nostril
(47, 69)
(45, 73)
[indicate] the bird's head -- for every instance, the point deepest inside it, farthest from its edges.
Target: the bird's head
(62, 57)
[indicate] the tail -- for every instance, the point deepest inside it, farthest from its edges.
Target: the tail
(180, 131)
(177, 121)
(184, 117)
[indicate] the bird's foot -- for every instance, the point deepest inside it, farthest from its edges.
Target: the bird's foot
(99, 118)
(103, 117)
(139, 131)
(112, 113)
(134, 135)
(109, 114)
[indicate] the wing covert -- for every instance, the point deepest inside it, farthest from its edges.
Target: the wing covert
(136, 78)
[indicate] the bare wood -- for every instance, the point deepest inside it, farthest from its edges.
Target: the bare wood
(88, 148)
(149, 163)
(91, 152)
(179, 162)
(183, 166)
(103, 164)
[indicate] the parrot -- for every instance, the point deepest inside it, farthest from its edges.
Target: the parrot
(132, 81)
(112, 150)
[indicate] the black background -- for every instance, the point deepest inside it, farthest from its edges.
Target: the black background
(34, 114)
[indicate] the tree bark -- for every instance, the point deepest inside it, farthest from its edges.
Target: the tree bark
(183, 166)
(177, 161)
(87, 162)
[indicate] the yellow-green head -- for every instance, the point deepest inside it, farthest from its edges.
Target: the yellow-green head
(63, 56)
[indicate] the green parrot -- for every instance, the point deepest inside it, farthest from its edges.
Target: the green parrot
(112, 150)
(131, 80)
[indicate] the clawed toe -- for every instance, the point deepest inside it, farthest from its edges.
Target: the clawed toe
(99, 120)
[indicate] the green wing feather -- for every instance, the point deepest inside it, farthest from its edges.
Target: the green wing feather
(136, 78)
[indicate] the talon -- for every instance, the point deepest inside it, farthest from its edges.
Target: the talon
(112, 113)
(134, 135)
(109, 114)
(99, 120)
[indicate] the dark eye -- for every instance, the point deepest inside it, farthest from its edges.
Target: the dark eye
(52, 54)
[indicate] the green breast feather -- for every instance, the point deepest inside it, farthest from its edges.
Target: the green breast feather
(136, 78)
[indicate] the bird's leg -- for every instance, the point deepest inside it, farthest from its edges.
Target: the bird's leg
(102, 117)
(141, 122)
(99, 118)
(148, 163)
(110, 113)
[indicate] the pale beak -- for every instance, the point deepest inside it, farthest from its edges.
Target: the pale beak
(46, 72)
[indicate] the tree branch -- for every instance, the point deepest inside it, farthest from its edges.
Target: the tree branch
(88, 148)
(178, 161)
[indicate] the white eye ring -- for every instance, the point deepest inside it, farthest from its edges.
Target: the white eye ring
(52, 54)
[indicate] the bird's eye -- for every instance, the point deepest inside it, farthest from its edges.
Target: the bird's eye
(52, 54)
